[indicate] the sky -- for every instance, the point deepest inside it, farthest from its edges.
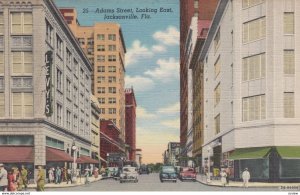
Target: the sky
(151, 63)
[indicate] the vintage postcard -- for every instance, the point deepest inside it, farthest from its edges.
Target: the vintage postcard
(149, 95)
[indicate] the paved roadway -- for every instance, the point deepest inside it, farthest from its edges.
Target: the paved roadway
(151, 182)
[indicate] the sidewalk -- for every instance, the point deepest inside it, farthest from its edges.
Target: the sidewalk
(292, 186)
(64, 184)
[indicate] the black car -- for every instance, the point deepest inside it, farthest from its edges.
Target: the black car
(143, 170)
(168, 173)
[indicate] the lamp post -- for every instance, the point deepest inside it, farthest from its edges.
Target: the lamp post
(208, 174)
(74, 148)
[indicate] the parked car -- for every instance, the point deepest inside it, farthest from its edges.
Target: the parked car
(187, 173)
(129, 173)
(168, 173)
(143, 169)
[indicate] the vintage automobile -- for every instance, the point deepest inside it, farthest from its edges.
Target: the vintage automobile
(129, 173)
(187, 173)
(144, 169)
(168, 173)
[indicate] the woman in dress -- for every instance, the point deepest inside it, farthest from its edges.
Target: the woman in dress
(223, 177)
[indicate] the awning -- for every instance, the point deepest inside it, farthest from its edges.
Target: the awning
(249, 153)
(55, 155)
(86, 159)
(16, 154)
(289, 152)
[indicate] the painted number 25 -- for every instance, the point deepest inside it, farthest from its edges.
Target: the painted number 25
(85, 10)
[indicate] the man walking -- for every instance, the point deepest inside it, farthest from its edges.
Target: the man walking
(3, 178)
(246, 177)
(40, 179)
(57, 175)
(69, 176)
(24, 176)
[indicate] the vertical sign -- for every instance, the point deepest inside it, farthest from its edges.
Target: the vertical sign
(48, 106)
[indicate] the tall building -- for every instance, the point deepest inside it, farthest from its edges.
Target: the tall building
(45, 87)
(195, 16)
(105, 47)
(95, 128)
(130, 122)
(251, 116)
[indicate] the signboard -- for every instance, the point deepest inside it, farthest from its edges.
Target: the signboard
(48, 64)
(175, 145)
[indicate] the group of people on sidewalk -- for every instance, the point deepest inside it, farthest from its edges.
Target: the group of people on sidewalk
(59, 175)
(225, 177)
(14, 179)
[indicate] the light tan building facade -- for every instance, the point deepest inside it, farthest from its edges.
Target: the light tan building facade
(104, 45)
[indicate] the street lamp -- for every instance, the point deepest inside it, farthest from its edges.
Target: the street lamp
(208, 174)
(74, 148)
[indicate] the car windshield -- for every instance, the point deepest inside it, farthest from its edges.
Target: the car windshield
(186, 169)
(168, 169)
(129, 169)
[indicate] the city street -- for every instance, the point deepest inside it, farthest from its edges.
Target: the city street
(151, 182)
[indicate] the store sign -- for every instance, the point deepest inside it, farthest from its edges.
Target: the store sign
(48, 62)
(175, 145)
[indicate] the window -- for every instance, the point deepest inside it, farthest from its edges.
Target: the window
(289, 103)
(90, 51)
(101, 89)
(100, 68)
(22, 62)
(100, 58)
(81, 74)
(59, 46)
(112, 69)
(113, 120)
(69, 58)
(75, 95)
(217, 124)
(54, 143)
(254, 108)
(1, 63)
(75, 69)
(100, 79)
(217, 67)
(81, 41)
(21, 23)
(112, 37)
(102, 110)
(254, 67)
(68, 119)
(112, 48)
(101, 100)
(112, 100)
(250, 3)
(217, 94)
(22, 105)
(1, 24)
(90, 41)
(68, 89)
(112, 58)
(75, 122)
(59, 85)
(101, 37)
(112, 90)
(112, 79)
(100, 47)
(49, 33)
(289, 62)
(2, 105)
(217, 40)
(59, 114)
(254, 30)
(289, 24)
(112, 110)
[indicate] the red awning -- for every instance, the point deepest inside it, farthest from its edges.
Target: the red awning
(55, 155)
(15, 154)
(86, 159)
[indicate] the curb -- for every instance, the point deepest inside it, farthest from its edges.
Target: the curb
(81, 184)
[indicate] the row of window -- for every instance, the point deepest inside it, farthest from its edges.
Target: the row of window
(111, 100)
(21, 23)
(100, 37)
(110, 48)
(110, 69)
(111, 79)
(110, 89)
(111, 37)
(111, 58)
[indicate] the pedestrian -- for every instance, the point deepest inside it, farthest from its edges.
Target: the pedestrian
(86, 175)
(246, 177)
(51, 175)
(64, 174)
(40, 179)
(69, 176)
(15, 178)
(223, 178)
(19, 180)
(58, 175)
(228, 174)
(24, 176)
(11, 181)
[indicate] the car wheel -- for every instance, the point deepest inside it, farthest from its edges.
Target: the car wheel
(161, 181)
(175, 181)
(121, 181)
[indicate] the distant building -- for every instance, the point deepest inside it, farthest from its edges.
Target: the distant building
(130, 122)
(104, 45)
(172, 154)
(45, 88)
(95, 128)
